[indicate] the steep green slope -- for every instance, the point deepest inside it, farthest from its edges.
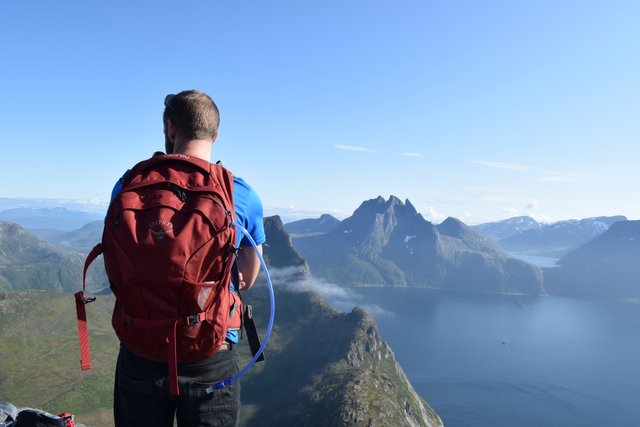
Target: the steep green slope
(29, 263)
(39, 355)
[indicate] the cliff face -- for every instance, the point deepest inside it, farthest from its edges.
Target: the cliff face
(326, 368)
(375, 376)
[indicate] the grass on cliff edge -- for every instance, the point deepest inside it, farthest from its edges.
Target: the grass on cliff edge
(40, 357)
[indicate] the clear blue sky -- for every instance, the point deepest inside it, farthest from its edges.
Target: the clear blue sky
(480, 110)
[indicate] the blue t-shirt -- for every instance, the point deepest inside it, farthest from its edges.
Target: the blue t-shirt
(249, 215)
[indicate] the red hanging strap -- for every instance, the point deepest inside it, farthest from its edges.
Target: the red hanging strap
(83, 332)
(81, 313)
(171, 340)
(172, 361)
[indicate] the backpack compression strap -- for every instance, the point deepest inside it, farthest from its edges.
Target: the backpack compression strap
(81, 313)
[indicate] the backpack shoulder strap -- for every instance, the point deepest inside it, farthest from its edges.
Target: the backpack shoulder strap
(81, 312)
(160, 158)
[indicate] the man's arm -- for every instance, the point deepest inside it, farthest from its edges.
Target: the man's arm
(248, 266)
(248, 214)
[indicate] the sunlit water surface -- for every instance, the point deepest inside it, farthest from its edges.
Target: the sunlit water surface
(491, 360)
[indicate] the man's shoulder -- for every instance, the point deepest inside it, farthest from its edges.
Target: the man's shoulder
(243, 191)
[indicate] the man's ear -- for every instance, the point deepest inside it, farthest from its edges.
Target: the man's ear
(215, 136)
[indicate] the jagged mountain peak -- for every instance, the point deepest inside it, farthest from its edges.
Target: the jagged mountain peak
(380, 205)
(378, 218)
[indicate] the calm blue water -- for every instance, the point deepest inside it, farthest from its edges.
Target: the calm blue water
(487, 360)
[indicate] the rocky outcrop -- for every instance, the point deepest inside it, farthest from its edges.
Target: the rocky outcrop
(375, 375)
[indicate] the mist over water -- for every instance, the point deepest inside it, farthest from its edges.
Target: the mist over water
(494, 360)
(541, 261)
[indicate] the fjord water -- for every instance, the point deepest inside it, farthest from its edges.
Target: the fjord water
(507, 360)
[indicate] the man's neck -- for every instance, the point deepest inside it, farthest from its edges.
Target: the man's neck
(200, 148)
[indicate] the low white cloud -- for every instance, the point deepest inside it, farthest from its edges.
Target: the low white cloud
(353, 148)
(434, 215)
(338, 296)
(533, 204)
(412, 155)
(502, 165)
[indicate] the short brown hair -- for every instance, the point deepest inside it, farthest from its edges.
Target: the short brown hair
(193, 113)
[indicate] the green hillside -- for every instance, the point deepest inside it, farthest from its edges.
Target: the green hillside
(40, 358)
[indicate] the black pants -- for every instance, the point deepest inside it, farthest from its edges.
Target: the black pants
(141, 395)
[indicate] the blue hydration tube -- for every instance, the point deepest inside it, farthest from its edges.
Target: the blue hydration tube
(224, 383)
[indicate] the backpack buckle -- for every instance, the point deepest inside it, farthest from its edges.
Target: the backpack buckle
(193, 319)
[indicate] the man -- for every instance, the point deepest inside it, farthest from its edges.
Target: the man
(141, 399)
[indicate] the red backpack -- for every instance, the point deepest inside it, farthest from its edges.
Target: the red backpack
(169, 247)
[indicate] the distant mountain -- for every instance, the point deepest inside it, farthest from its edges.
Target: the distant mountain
(605, 267)
(49, 218)
(557, 239)
(29, 263)
(322, 367)
(325, 224)
(499, 230)
(81, 240)
(388, 243)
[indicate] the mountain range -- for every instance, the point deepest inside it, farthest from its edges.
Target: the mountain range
(44, 220)
(525, 235)
(388, 243)
(449, 255)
